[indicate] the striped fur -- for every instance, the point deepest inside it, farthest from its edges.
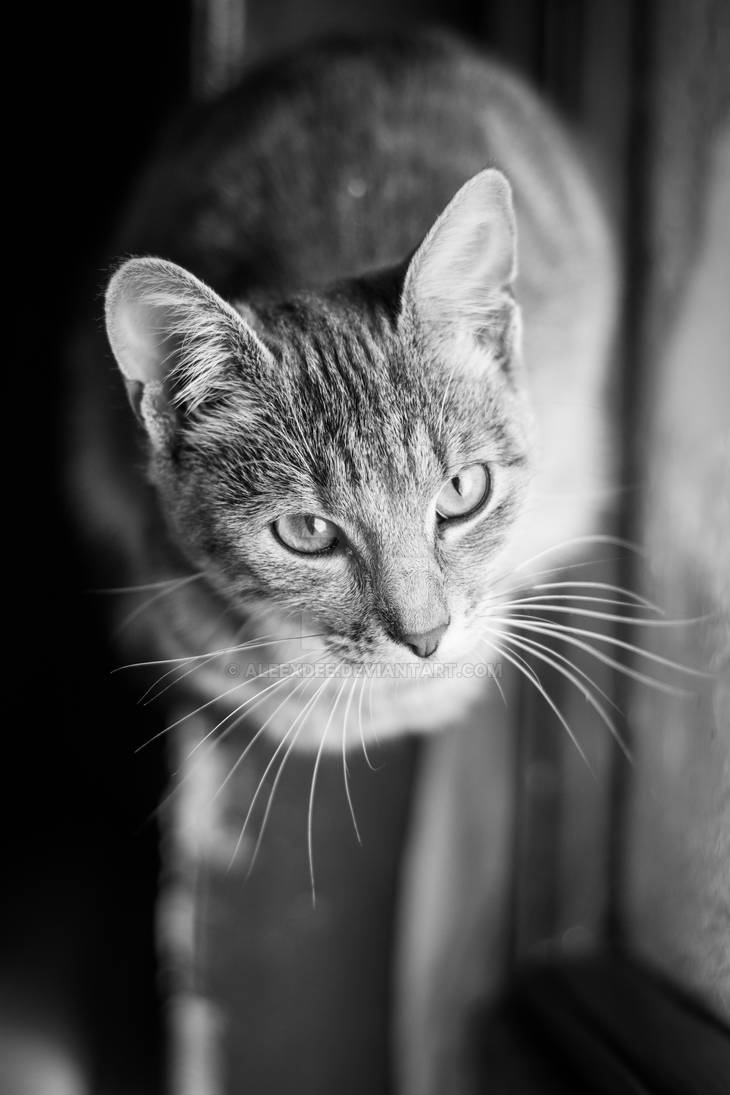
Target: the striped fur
(320, 366)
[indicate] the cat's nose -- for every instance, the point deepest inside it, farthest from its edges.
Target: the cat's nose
(425, 643)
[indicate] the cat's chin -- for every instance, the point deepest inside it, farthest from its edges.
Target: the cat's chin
(289, 684)
(331, 706)
(366, 710)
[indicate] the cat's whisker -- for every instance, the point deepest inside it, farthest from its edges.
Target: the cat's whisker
(192, 769)
(212, 653)
(259, 733)
(173, 588)
(240, 715)
(572, 598)
(570, 630)
(569, 635)
(574, 542)
(345, 768)
(154, 692)
(370, 713)
(262, 779)
(605, 587)
(636, 621)
(146, 587)
(298, 722)
(498, 684)
(539, 650)
(561, 569)
(573, 606)
(534, 679)
(313, 786)
(254, 700)
(583, 541)
(146, 698)
(216, 699)
(250, 706)
(373, 768)
(200, 663)
(571, 665)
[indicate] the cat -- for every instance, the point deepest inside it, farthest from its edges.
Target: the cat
(365, 337)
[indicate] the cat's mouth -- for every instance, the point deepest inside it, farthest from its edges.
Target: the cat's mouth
(449, 645)
(300, 637)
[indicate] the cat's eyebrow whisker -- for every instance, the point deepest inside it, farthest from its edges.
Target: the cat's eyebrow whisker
(534, 679)
(298, 722)
(315, 772)
(345, 768)
(568, 634)
(539, 650)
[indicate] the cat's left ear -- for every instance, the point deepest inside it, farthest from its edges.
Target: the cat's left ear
(177, 343)
(458, 283)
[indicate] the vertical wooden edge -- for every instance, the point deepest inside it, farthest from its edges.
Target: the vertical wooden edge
(452, 930)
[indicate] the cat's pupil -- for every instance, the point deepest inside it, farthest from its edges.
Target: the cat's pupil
(463, 493)
(306, 533)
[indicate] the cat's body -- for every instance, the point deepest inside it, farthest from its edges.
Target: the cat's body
(356, 397)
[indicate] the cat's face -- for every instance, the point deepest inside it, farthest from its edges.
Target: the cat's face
(355, 459)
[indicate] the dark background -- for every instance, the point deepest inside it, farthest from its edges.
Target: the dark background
(92, 85)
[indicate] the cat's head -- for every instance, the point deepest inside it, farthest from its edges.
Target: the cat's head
(355, 457)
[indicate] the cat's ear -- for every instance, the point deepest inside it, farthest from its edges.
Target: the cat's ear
(177, 343)
(458, 282)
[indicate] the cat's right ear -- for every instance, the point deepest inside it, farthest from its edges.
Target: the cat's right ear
(177, 343)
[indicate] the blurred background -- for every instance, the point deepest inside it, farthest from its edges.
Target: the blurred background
(636, 864)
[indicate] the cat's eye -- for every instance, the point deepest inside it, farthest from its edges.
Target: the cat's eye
(306, 533)
(464, 493)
